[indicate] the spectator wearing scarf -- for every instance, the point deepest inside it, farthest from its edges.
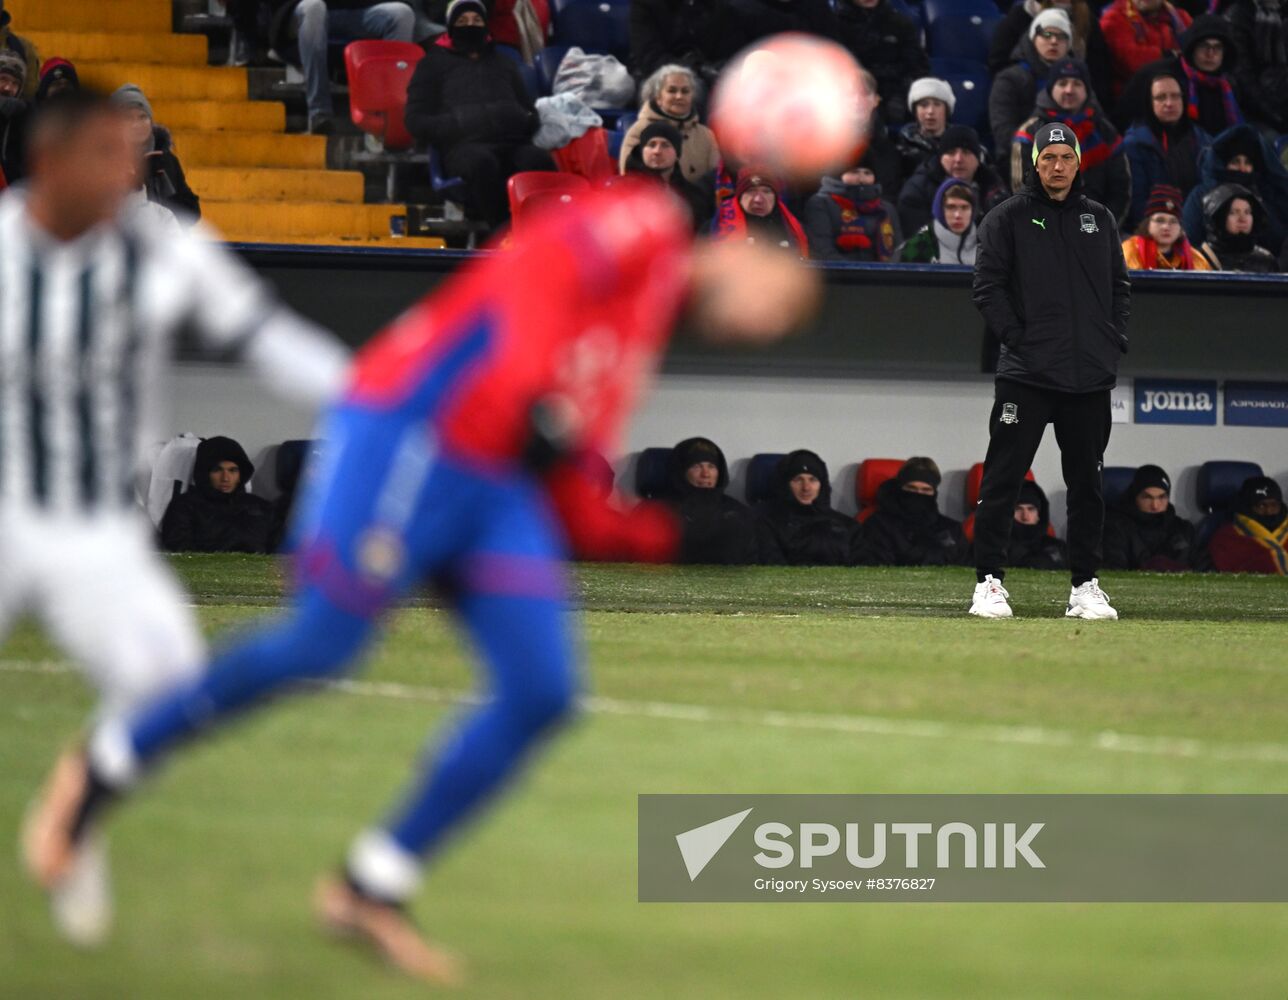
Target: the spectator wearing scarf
(848, 219)
(1147, 250)
(778, 228)
(1140, 32)
(1255, 540)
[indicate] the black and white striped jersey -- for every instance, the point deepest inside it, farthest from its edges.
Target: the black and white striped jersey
(86, 327)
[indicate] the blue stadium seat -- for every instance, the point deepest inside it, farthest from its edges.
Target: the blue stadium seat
(595, 25)
(615, 139)
(651, 473)
(449, 187)
(1116, 479)
(933, 10)
(962, 35)
(1218, 485)
(760, 476)
(971, 83)
(531, 77)
(547, 62)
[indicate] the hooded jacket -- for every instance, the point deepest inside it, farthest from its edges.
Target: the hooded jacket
(1161, 154)
(1248, 543)
(1088, 40)
(699, 196)
(809, 534)
(715, 529)
(1032, 545)
(1051, 283)
(917, 199)
(1015, 90)
(1225, 251)
(888, 45)
(1269, 183)
(699, 156)
(1261, 41)
(1159, 543)
(851, 222)
(22, 48)
(908, 530)
(1104, 167)
(205, 520)
(936, 243)
(915, 148)
(164, 179)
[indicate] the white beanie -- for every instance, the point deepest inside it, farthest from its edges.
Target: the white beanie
(931, 86)
(1052, 17)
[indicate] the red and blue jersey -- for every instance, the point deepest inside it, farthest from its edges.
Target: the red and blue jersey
(574, 313)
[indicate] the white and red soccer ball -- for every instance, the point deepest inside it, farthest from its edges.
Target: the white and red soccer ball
(795, 104)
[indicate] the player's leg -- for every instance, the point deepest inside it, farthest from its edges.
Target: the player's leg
(1015, 427)
(1082, 426)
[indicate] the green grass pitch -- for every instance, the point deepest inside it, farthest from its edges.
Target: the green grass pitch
(699, 680)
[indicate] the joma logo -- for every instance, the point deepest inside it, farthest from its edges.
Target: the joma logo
(1188, 402)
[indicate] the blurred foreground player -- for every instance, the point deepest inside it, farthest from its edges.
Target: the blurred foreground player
(90, 301)
(456, 456)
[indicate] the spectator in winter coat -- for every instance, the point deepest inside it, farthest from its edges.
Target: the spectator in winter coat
(1159, 243)
(217, 514)
(881, 154)
(887, 44)
(907, 528)
(757, 214)
(1241, 155)
(1262, 68)
(1088, 41)
(1015, 89)
(1163, 146)
(15, 113)
(848, 219)
(24, 50)
(960, 158)
(716, 529)
(952, 235)
(1139, 32)
(1256, 539)
(1067, 98)
(1231, 212)
(163, 177)
(931, 102)
(671, 95)
(1032, 544)
(693, 33)
(57, 76)
(657, 155)
(1145, 532)
(307, 26)
(469, 102)
(800, 519)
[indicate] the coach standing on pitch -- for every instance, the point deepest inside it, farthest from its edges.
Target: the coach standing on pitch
(1051, 283)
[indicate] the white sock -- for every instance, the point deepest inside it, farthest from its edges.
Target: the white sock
(112, 756)
(383, 868)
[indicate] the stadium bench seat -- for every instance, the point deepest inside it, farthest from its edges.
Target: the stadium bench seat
(530, 74)
(595, 25)
(975, 478)
(530, 189)
(760, 476)
(1218, 484)
(651, 470)
(587, 155)
(378, 73)
(960, 35)
(547, 65)
(971, 83)
(1116, 479)
(869, 476)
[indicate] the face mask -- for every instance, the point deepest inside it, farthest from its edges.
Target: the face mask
(919, 508)
(865, 192)
(468, 38)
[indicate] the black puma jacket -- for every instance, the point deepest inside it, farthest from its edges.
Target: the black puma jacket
(1051, 284)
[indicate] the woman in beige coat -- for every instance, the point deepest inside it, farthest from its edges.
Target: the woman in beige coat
(670, 95)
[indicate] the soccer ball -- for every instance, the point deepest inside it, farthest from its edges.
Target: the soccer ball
(795, 104)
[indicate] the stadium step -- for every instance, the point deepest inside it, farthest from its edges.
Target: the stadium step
(346, 242)
(285, 221)
(175, 50)
(170, 82)
(249, 149)
(241, 116)
(233, 184)
(90, 15)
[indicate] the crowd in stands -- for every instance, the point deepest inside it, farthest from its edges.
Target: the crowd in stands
(795, 523)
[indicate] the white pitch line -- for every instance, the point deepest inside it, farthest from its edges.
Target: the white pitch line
(865, 725)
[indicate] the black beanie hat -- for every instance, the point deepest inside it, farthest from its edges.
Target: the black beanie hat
(959, 137)
(1031, 493)
(662, 130)
(1149, 477)
(1056, 133)
(1069, 68)
(919, 470)
(1258, 488)
(802, 461)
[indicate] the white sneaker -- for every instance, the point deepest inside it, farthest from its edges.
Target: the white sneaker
(990, 600)
(81, 903)
(1090, 602)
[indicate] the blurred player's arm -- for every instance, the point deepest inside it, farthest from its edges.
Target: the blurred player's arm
(235, 313)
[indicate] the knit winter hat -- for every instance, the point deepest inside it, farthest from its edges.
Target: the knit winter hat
(130, 95)
(662, 130)
(1054, 134)
(1067, 69)
(754, 177)
(458, 7)
(1053, 19)
(1149, 477)
(1258, 488)
(802, 461)
(931, 86)
(12, 64)
(1031, 493)
(54, 69)
(919, 470)
(1164, 198)
(959, 137)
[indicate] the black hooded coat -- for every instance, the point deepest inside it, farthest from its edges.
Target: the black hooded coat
(908, 530)
(715, 529)
(205, 520)
(809, 534)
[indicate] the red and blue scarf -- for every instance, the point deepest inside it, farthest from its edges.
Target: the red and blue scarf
(1215, 81)
(1096, 149)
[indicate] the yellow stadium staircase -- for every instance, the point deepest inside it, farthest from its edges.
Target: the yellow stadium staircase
(256, 183)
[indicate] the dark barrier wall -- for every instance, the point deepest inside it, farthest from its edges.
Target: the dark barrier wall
(877, 318)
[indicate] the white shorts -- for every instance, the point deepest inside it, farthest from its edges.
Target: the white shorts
(105, 596)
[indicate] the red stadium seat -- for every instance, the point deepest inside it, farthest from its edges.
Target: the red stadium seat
(378, 76)
(872, 472)
(586, 155)
(975, 478)
(532, 189)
